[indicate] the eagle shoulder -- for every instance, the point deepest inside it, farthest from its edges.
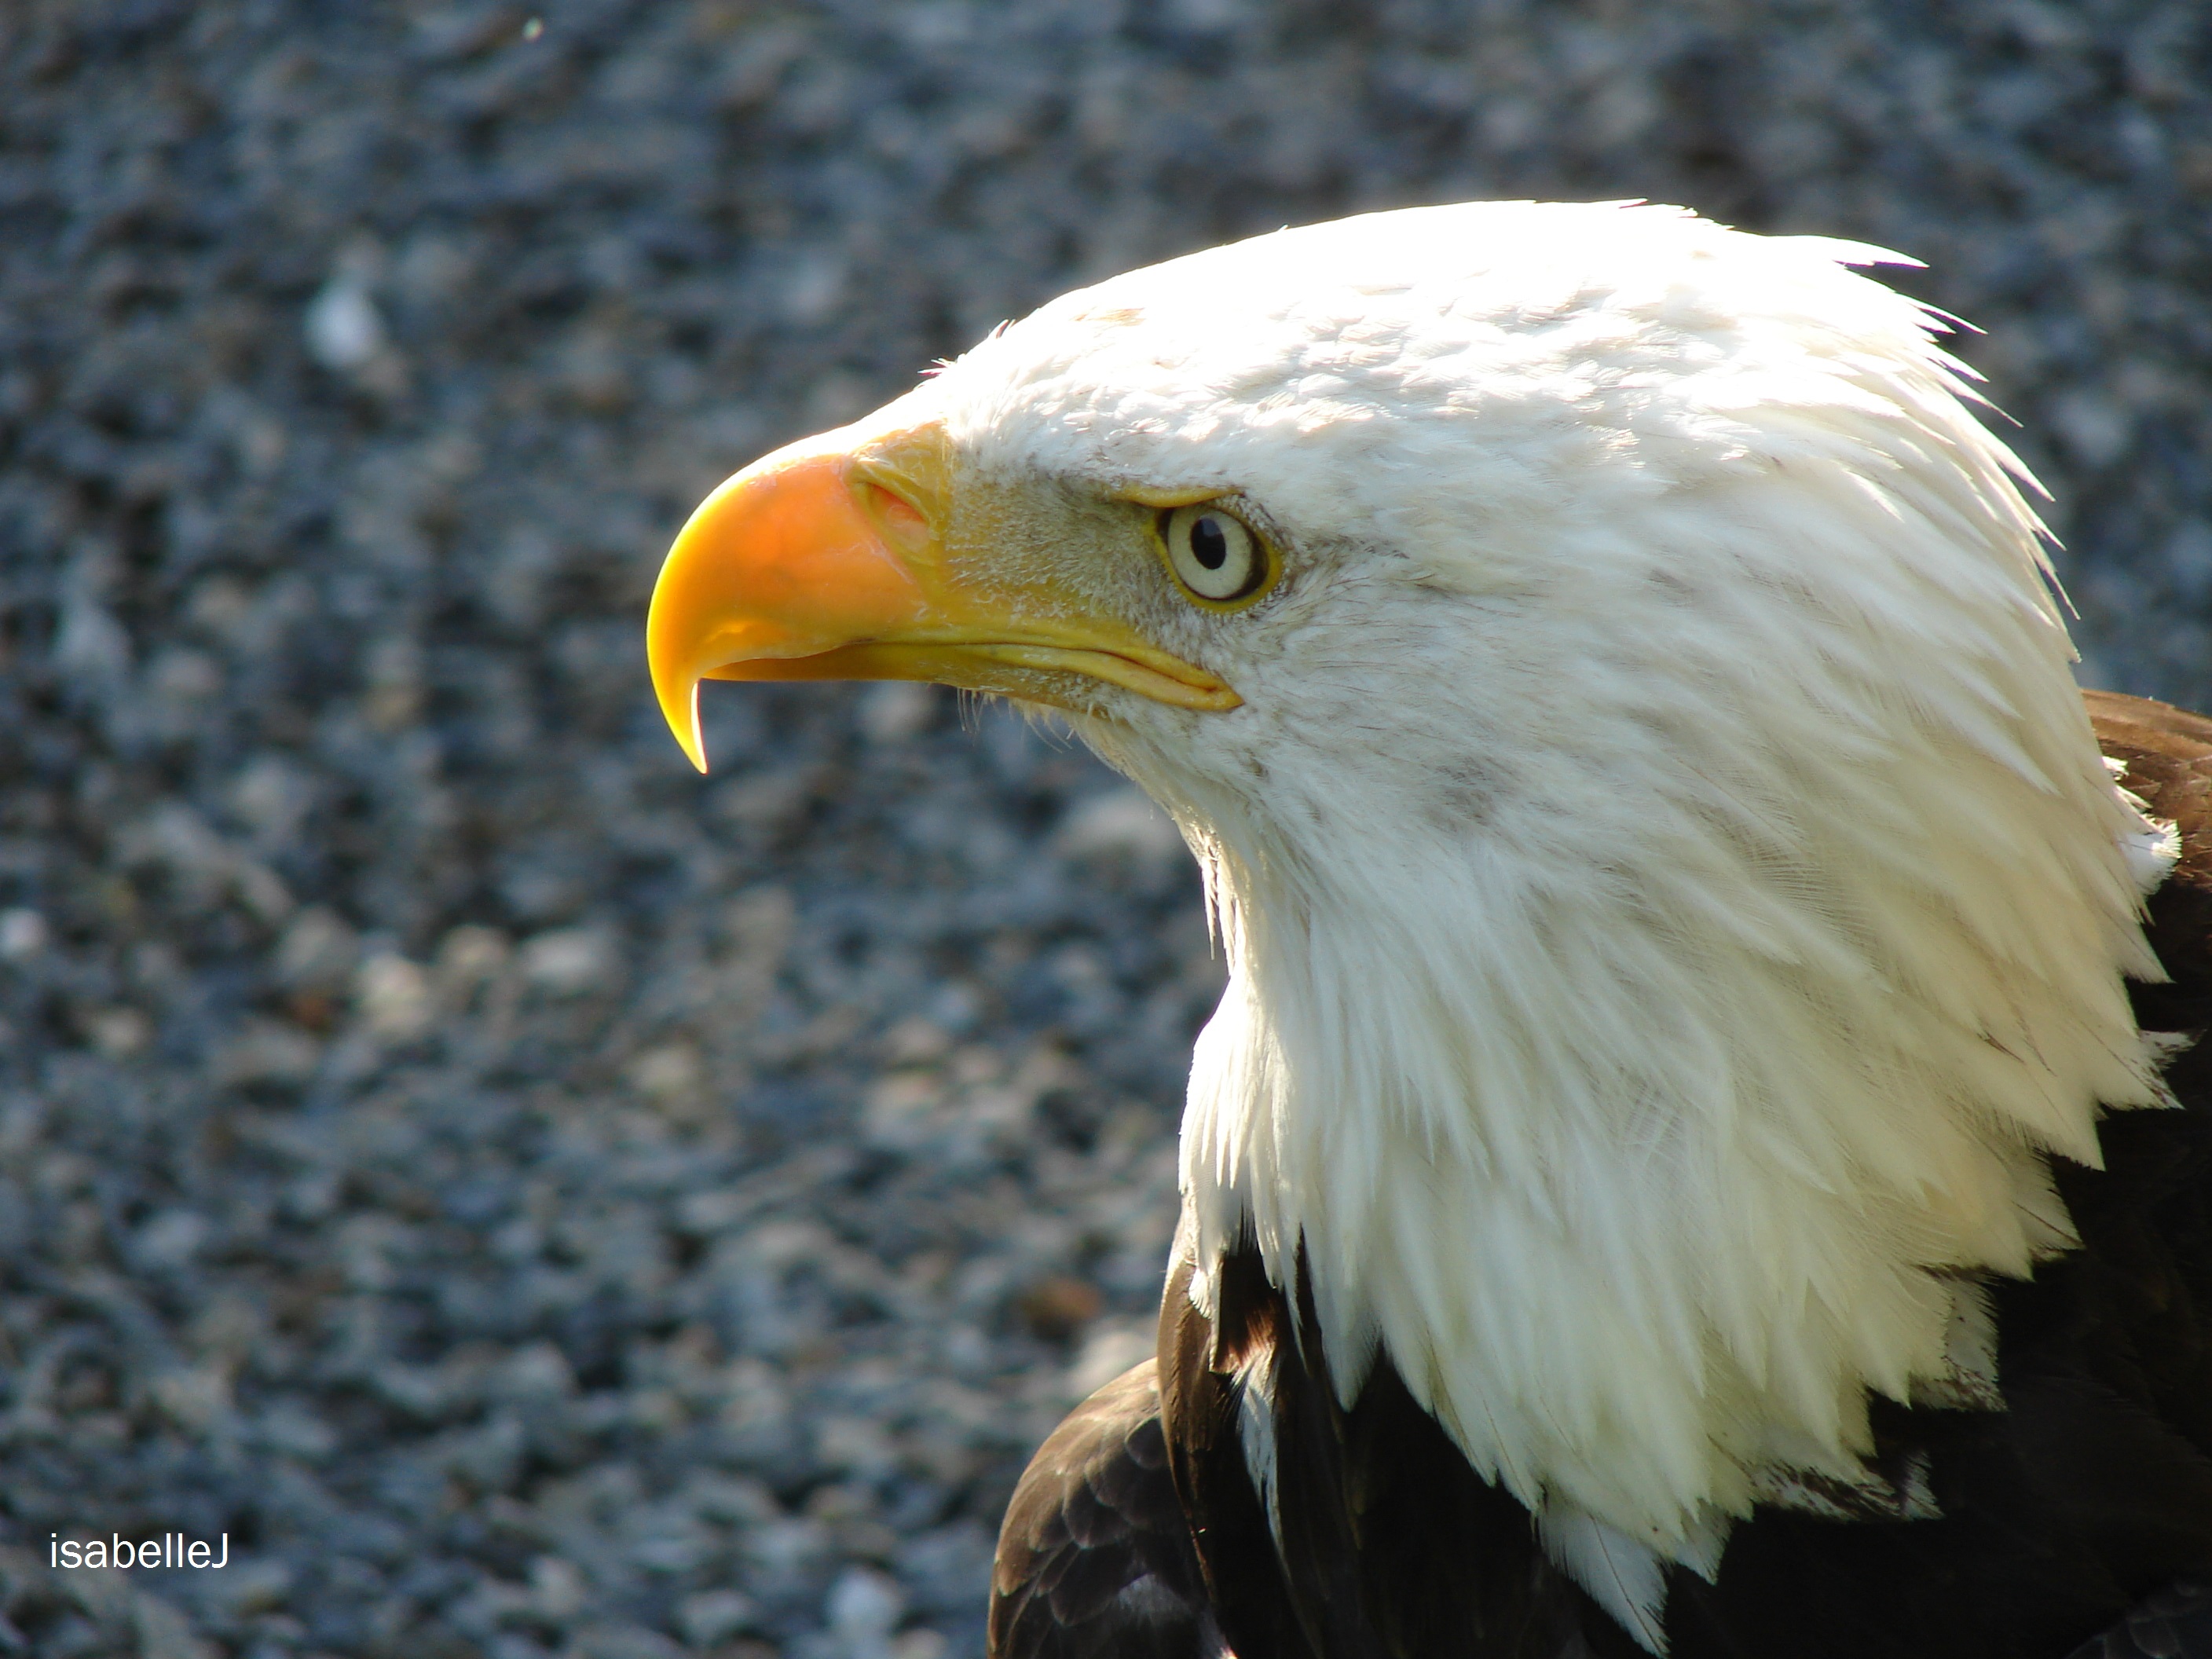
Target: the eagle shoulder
(1095, 1559)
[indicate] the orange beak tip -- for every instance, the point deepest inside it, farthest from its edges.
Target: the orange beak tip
(680, 711)
(695, 738)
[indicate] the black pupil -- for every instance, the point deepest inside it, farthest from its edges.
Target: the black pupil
(1209, 544)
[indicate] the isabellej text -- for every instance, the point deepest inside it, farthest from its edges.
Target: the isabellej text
(171, 1549)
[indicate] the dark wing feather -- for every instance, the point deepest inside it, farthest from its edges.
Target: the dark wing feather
(2175, 1624)
(1095, 1559)
(1384, 1544)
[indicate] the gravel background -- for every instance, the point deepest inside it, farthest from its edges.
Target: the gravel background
(535, 1201)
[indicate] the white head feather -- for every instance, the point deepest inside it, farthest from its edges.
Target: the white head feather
(1674, 901)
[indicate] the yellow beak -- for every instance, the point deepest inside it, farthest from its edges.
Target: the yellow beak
(826, 561)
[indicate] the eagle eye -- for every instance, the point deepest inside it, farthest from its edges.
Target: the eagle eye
(1214, 556)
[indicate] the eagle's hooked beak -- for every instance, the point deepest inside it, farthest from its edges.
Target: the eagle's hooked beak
(829, 560)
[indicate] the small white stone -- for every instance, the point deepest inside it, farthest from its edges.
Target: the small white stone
(864, 1608)
(1122, 822)
(895, 710)
(394, 995)
(119, 1032)
(557, 1586)
(171, 1238)
(23, 934)
(318, 948)
(714, 1616)
(345, 331)
(672, 1071)
(568, 961)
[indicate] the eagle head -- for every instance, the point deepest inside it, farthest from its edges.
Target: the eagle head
(1675, 904)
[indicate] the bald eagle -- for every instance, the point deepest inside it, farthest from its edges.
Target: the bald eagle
(1699, 1152)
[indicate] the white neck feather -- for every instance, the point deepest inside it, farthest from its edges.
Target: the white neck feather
(1651, 1086)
